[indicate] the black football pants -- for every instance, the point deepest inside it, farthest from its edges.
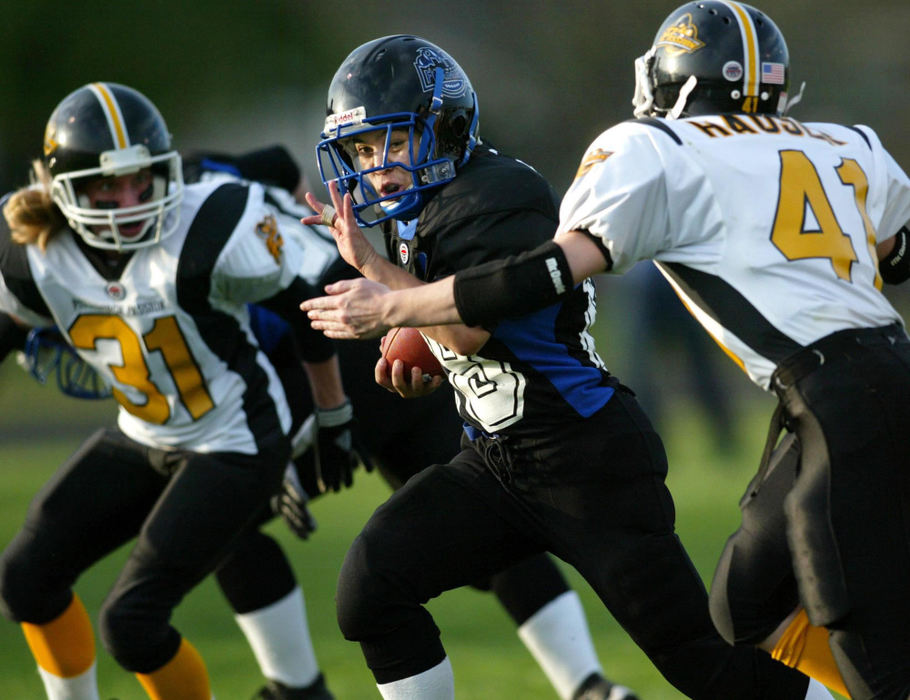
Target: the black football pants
(829, 526)
(593, 496)
(187, 509)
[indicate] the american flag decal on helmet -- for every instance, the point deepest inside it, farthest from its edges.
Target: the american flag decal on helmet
(772, 73)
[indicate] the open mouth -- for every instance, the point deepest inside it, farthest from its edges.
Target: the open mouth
(390, 188)
(131, 230)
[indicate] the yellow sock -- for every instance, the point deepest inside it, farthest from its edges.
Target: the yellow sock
(806, 649)
(65, 646)
(182, 678)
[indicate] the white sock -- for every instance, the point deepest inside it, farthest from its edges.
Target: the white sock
(81, 687)
(557, 636)
(280, 639)
(817, 691)
(436, 683)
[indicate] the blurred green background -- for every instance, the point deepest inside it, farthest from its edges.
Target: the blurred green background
(550, 76)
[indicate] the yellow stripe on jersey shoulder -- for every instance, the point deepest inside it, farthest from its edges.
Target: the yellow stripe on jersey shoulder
(590, 159)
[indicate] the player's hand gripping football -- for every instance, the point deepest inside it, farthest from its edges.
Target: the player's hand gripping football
(406, 365)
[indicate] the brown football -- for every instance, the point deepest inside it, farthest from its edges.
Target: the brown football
(407, 345)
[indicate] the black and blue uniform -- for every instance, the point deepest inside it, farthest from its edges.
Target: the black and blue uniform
(557, 456)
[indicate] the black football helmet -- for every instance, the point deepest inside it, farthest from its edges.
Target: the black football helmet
(105, 129)
(711, 57)
(397, 82)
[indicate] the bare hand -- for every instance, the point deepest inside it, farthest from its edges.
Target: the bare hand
(408, 386)
(354, 309)
(339, 217)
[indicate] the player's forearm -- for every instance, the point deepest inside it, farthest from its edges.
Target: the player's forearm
(381, 270)
(325, 383)
(431, 305)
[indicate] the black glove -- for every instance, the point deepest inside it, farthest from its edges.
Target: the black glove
(338, 448)
(291, 505)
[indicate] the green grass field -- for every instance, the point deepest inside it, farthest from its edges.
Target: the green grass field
(38, 429)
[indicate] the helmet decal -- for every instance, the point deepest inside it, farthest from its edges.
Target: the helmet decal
(733, 71)
(681, 37)
(111, 109)
(773, 73)
(427, 61)
(50, 138)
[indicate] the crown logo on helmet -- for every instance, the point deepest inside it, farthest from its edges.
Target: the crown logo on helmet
(681, 37)
(426, 62)
(50, 139)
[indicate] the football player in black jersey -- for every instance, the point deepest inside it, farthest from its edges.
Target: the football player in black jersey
(556, 455)
(402, 438)
(256, 577)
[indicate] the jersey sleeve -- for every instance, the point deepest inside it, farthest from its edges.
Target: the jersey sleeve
(619, 196)
(19, 295)
(259, 260)
(897, 188)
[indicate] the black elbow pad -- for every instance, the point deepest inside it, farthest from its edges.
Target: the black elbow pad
(514, 286)
(895, 267)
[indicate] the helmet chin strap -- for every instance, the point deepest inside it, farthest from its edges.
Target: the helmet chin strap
(684, 93)
(643, 98)
(795, 100)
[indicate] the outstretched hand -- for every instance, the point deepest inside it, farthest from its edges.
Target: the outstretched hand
(354, 309)
(352, 244)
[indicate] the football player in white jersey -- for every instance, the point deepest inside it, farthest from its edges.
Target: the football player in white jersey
(778, 236)
(149, 280)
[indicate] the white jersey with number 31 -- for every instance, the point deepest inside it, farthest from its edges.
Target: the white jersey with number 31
(765, 227)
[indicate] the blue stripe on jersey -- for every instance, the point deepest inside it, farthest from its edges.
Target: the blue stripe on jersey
(267, 326)
(532, 339)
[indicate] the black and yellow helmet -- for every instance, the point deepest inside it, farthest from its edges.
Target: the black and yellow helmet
(109, 130)
(711, 57)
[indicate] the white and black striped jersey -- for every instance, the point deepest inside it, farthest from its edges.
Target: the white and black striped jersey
(764, 226)
(539, 369)
(168, 326)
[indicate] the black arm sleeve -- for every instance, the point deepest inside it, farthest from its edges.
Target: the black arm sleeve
(12, 335)
(895, 267)
(513, 286)
(312, 345)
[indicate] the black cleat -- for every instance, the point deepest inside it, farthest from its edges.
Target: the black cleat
(273, 690)
(596, 687)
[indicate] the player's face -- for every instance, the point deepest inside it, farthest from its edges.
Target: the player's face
(118, 192)
(371, 151)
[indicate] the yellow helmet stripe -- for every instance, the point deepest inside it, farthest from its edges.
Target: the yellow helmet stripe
(751, 59)
(112, 113)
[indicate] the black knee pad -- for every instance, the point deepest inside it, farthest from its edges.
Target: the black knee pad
(396, 633)
(24, 595)
(141, 640)
(365, 595)
(255, 574)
